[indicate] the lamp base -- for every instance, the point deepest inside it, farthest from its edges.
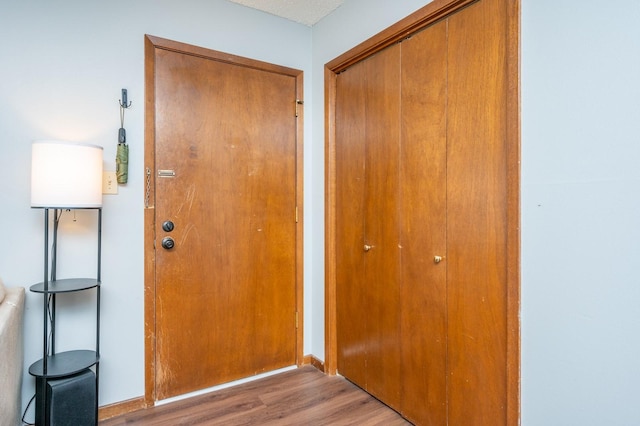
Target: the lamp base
(70, 401)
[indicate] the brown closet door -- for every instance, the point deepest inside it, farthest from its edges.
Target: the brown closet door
(381, 212)
(477, 215)
(423, 226)
(421, 172)
(351, 303)
(368, 290)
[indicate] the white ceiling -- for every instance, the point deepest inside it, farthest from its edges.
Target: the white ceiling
(306, 12)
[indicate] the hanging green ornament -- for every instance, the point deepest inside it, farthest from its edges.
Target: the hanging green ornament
(122, 163)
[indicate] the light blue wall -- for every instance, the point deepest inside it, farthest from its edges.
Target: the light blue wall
(63, 64)
(580, 212)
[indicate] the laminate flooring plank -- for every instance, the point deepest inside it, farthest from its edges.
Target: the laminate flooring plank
(303, 396)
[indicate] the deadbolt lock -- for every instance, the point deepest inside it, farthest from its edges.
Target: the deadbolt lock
(167, 226)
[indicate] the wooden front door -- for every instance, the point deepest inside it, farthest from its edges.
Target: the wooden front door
(224, 220)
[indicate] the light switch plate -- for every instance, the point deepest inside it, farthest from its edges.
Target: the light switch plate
(109, 183)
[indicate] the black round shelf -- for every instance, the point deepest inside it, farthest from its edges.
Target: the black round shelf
(66, 285)
(65, 364)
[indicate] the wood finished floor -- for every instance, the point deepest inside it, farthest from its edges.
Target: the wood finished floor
(304, 396)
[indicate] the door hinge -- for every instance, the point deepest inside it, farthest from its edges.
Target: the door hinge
(296, 214)
(296, 319)
(298, 102)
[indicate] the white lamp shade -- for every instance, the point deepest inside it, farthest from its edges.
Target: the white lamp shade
(66, 175)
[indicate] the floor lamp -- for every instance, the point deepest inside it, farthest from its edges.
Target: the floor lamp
(65, 176)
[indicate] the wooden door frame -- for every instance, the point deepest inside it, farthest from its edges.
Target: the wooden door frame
(420, 19)
(151, 44)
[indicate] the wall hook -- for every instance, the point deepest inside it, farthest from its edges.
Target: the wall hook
(123, 101)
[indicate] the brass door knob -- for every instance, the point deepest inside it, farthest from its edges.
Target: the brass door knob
(367, 247)
(437, 259)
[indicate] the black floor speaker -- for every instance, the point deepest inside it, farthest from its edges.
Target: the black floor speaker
(70, 401)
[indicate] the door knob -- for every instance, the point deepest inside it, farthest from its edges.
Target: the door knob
(167, 226)
(168, 243)
(367, 247)
(437, 259)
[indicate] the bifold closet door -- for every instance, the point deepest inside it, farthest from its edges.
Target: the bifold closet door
(477, 215)
(368, 289)
(423, 224)
(421, 221)
(454, 206)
